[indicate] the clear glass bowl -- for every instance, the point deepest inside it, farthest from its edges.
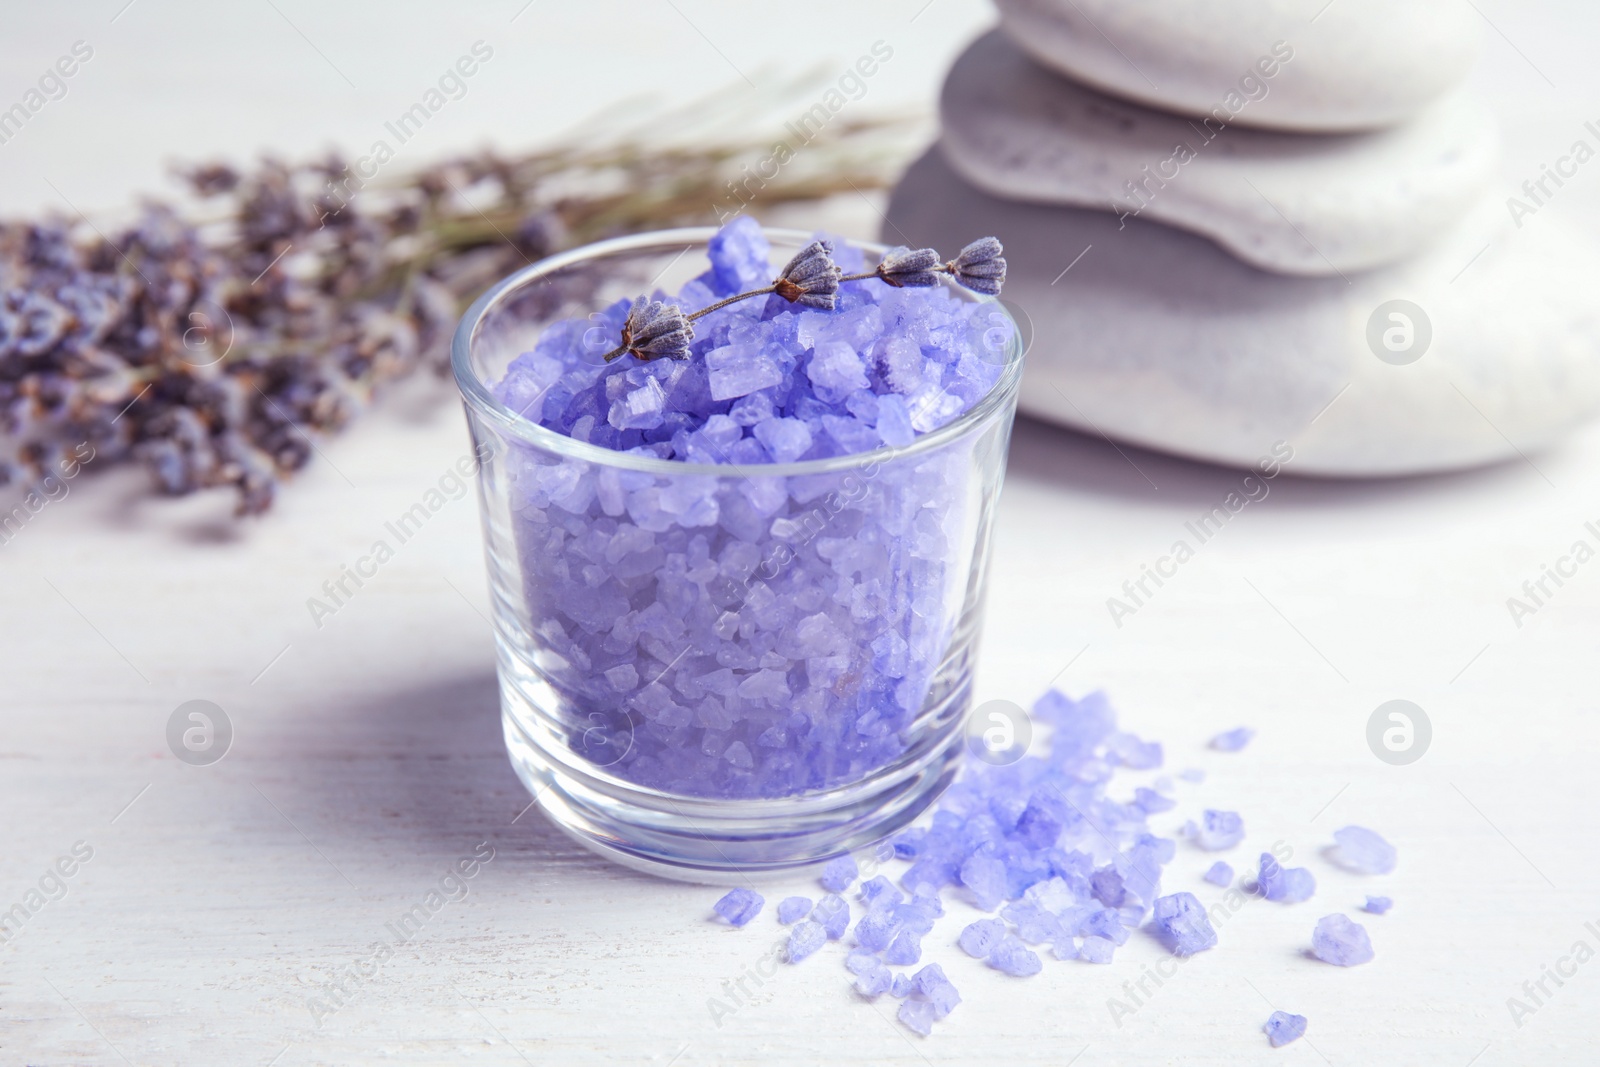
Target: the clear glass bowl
(713, 671)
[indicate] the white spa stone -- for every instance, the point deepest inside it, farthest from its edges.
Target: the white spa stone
(1340, 65)
(1158, 337)
(1287, 202)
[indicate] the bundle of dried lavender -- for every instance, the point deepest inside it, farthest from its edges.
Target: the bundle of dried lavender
(214, 352)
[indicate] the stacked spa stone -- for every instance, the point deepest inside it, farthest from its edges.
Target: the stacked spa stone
(1235, 223)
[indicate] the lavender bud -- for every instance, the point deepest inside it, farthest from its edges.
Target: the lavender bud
(909, 268)
(811, 278)
(980, 266)
(654, 330)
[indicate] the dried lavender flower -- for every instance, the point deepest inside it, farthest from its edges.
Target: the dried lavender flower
(908, 267)
(811, 278)
(654, 330)
(980, 266)
(213, 354)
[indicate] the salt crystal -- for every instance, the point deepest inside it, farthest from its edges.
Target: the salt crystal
(904, 950)
(1217, 830)
(1012, 957)
(1233, 740)
(874, 981)
(1219, 873)
(918, 1016)
(739, 906)
(1340, 941)
(1287, 885)
(985, 877)
(1096, 950)
(839, 873)
(805, 939)
(785, 439)
(1282, 1028)
(834, 915)
(980, 938)
(1359, 849)
(792, 909)
(901, 986)
(1182, 924)
(1377, 905)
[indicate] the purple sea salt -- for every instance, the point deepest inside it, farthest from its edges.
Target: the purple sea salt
(1012, 957)
(904, 950)
(748, 636)
(980, 938)
(793, 909)
(834, 915)
(1286, 885)
(1377, 905)
(1219, 873)
(739, 906)
(805, 939)
(1232, 740)
(918, 1016)
(874, 981)
(839, 874)
(1182, 925)
(1359, 849)
(1217, 830)
(1282, 1028)
(1096, 950)
(901, 986)
(1341, 941)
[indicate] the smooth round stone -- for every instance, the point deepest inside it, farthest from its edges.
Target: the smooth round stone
(1360, 64)
(1286, 202)
(1158, 337)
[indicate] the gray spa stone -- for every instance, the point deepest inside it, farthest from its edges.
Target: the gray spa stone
(1345, 65)
(1286, 202)
(1159, 337)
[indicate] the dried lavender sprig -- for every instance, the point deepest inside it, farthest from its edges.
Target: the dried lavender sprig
(812, 279)
(214, 353)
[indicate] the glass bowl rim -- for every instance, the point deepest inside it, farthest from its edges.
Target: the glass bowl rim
(481, 399)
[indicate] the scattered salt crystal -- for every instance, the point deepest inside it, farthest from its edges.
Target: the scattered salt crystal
(1182, 924)
(1232, 740)
(1377, 905)
(834, 915)
(904, 950)
(792, 909)
(1192, 774)
(918, 1016)
(874, 981)
(1096, 950)
(1282, 1028)
(861, 962)
(980, 938)
(1012, 957)
(901, 987)
(1359, 849)
(1217, 830)
(1219, 873)
(878, 888)
(1152, 802)
(1341, 941)
(805, 939)
(1286, 885)
(839, 873)
(739, 906)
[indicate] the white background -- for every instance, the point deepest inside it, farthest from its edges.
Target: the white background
(368, 753)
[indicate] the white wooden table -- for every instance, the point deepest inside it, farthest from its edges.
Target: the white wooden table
(220, 903)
